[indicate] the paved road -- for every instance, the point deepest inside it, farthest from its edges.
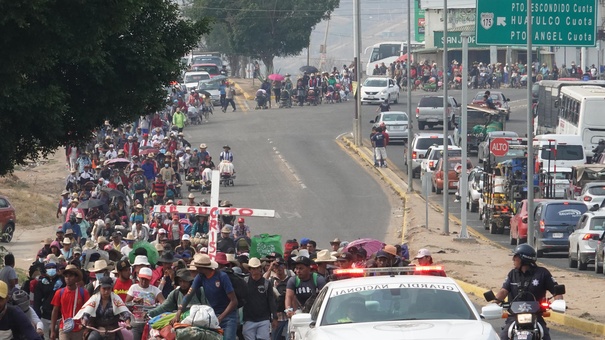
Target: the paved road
(517, 123)
(288, 160)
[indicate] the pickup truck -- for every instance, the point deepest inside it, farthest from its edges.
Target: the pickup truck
(429, 112)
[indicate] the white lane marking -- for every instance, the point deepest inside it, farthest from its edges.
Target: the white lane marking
(287, 165)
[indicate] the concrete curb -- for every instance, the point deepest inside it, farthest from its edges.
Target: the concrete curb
(244, 93)
(561, 319)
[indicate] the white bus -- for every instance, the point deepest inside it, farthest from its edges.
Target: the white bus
(387, 52)
(582, 112)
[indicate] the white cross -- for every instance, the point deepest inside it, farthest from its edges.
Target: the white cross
(214, 211)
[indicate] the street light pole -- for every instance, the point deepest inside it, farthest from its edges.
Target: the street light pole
(530, 132)
(462, 126)
(356, 49)
(409, 102)
(446, 221)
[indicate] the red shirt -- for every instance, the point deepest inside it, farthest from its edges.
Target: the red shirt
(65, 302)
(120, 288)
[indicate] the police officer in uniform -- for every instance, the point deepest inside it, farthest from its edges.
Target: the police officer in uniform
(526, 282)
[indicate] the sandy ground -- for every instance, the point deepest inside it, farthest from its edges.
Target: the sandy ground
(485, 265)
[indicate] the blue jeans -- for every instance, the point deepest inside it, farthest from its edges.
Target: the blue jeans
(277, 334)
(229, 326)
(257, 330)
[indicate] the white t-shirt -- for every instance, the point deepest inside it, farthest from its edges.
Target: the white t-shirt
(148, 294)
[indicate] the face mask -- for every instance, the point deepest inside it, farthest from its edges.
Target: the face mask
(51, 271)
(165, 165)
(99, 276)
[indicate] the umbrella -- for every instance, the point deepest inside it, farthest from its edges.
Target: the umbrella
(152, 253)
(205, 93)
(91, 203)
(120, 162)
(370, 245)
(309, 69)
(276, 77)
(88, 254)
(113, 192)
(147, 151)
(402, 58)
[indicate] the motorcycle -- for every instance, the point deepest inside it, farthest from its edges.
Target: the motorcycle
(525, 313)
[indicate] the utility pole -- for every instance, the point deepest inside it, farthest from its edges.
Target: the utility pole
(409, 102)
(446, 202)
(356, 50)
(530, 132)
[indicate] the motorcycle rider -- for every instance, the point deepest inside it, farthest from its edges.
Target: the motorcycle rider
(598, 150)
(526, 282)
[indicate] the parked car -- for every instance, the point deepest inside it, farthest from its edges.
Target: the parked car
(593, 193)
(8, 218)
(429, 112)
(378, 90)
(434, 154)
(420, 144)
(474, 190)
(583, 240)
(396, 123)
(499, 100)
(452, 175)
(554, 221)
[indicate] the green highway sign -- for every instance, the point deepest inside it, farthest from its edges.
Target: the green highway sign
(554, 22)
(454, 40)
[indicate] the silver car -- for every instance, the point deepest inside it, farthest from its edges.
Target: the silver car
(396, 123)
(420, 144)
(583, 240)
(592, 193)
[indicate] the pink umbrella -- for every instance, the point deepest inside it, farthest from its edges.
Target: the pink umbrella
(370, 245)
(276, 77)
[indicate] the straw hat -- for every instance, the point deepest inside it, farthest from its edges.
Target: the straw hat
(253, 263)
(70, 268)
(324, 256)
(98, 266)
(204, 261)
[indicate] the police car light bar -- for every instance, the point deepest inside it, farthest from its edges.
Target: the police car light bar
(358, 272)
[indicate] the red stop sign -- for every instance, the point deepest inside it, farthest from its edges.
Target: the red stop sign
(498, 147)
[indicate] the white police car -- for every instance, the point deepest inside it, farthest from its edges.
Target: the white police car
(388, 307)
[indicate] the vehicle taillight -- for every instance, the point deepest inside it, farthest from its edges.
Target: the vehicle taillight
(587, 237)
(431, 164)
(545, 305)
(439, 175)
(542, 226)
(587, 198)
(417, 112)
(414, 154)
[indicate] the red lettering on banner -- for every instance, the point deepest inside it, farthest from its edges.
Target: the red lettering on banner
(203, 210)
(246, 212)
(214, 212)
(163, 209)
(173, 209)
(191, 210)
(228, 211)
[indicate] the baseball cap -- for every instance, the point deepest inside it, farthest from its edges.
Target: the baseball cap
(241, 219)
(161, 231)
(106, 282)
(303, 260)
(122, 265)
(304, 241)
(422, 253)
(145, 273)
(346, 256)
(186, 237)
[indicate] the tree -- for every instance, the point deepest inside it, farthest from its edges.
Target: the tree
(69, 65)
(266, 29)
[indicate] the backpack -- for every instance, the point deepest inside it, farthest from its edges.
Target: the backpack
(306, 308)
(280, 286)
(240, 287)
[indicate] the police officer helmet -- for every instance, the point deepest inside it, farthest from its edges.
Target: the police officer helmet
(526, 253)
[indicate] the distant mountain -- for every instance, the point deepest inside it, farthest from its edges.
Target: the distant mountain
(381, 20)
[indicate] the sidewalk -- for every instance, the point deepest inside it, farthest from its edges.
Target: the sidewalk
(479, 264)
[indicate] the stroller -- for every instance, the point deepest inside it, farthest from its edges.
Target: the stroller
(261, 99)
(330, 93)
(227, 171)
(193, 115)
(311, 96)
(285, 100)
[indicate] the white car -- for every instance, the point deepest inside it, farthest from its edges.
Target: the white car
(391, 307)
(592, 193)
(396, 123)
(211, 87)
(191, 79)
(434, 154)
(378, 90)
(475, 187)
(583, 240)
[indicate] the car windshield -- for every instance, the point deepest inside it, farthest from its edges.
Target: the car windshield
(425, 143)
(390, 302)
(432, 102)
(597, 223)
(564, 153)
(394, 117)
(209, 86)
(207, 60)
(568, 214)
(375, 83)
(597, 191)
(494, 96)
(194, 78)
(437, 154)
(212, 69)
